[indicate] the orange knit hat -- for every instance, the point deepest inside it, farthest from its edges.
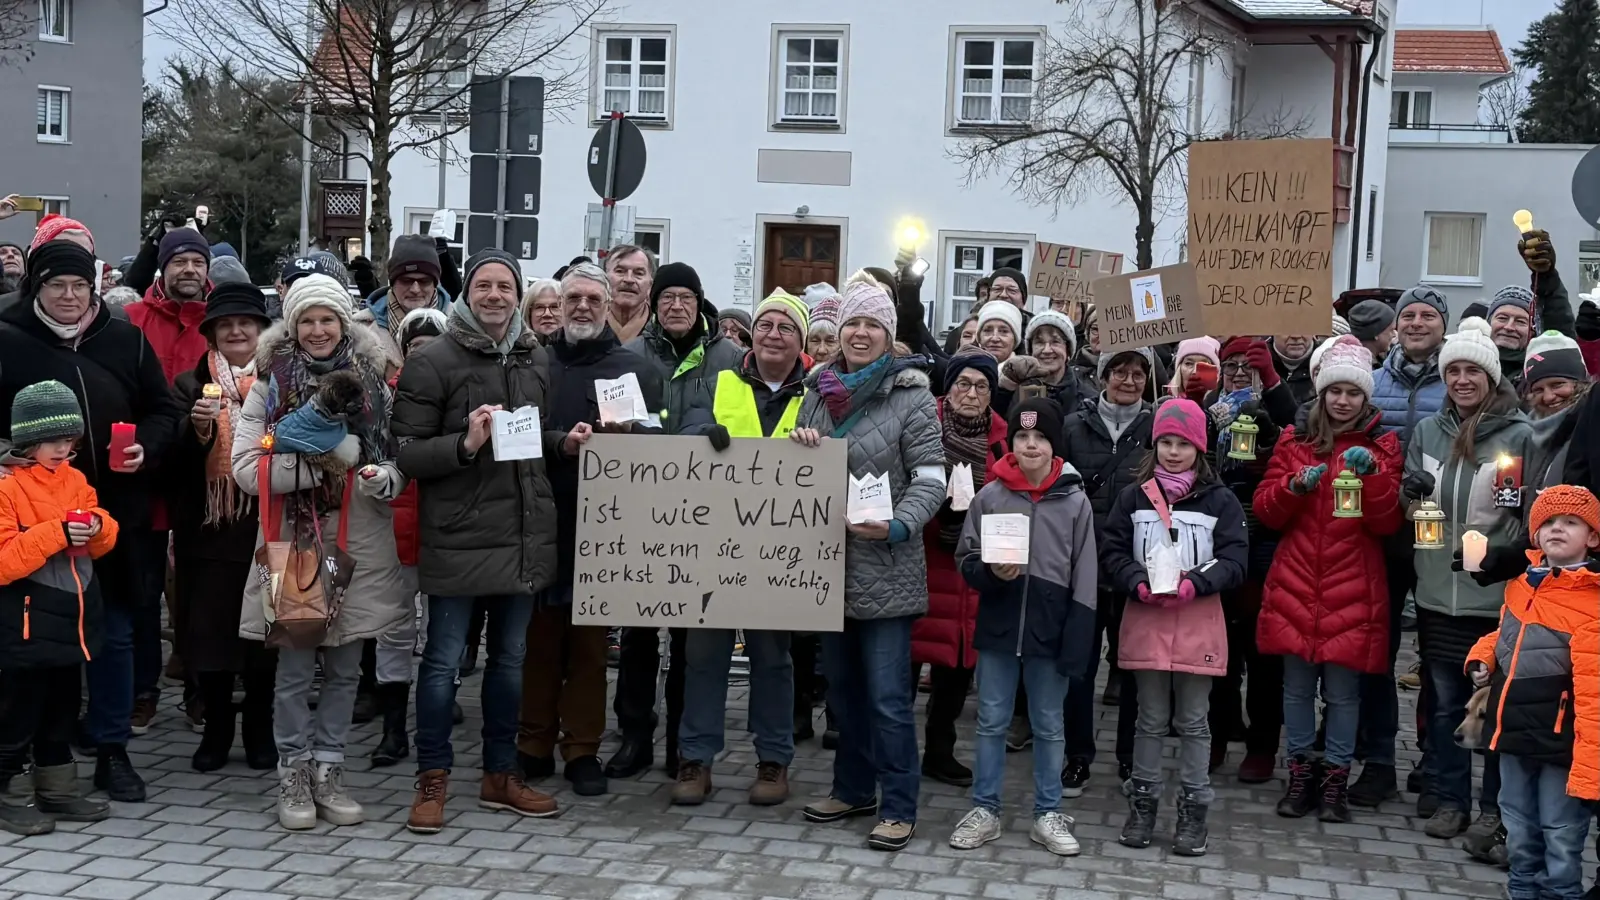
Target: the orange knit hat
(1565, 500)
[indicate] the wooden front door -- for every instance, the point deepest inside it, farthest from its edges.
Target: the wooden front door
(800, 255)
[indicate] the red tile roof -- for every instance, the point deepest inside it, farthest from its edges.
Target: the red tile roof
(343, 60)
(1450, 50)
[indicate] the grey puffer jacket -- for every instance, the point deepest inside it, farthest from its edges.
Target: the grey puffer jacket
(487, 527)
(898, 434)
(691, 382)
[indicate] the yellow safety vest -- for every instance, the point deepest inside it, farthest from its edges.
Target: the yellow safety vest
(735, 409)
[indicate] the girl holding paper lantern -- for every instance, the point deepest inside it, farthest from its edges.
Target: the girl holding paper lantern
(1325, 604)
(1468, 458)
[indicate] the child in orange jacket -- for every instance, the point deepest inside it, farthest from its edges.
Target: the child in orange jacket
(1543, 717)
(51, 526)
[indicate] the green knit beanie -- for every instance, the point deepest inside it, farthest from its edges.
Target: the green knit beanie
(46, 411)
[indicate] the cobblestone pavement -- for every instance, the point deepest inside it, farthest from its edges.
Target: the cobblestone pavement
(215, 837)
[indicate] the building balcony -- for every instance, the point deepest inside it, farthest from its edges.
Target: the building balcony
(344, 207)
(1449, 134)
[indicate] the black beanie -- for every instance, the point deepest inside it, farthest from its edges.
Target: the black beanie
(675, 275)
(1553, 355)
(1013, 274)
(414, 254)
(1037, 413)
(55, 258)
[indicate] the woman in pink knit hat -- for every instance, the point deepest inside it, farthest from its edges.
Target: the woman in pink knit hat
(1188, 377)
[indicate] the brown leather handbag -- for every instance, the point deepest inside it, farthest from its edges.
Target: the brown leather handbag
(305, 580)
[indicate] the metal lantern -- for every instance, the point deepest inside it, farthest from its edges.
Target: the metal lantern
(1347, 496)
(1428, 522)
(1242, 438)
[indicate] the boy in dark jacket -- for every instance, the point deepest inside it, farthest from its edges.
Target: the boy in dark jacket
(1035, 621)
(50, 527)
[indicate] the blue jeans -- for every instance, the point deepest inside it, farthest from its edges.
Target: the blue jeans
(998, 674)
(110, 678)
(1451, 775)
(449, 620)
(871, 698)
(1341, 691)
(708, 655)
(1545, 830)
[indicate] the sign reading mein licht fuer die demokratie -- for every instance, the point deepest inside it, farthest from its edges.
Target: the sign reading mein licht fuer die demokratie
(672, 532)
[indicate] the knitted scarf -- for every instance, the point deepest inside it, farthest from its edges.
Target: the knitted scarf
(844, 392)
(965, 441)
(292, 376)
(224, 501)
(1175, 485)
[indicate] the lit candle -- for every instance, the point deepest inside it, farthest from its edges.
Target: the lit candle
(1474, 547)
(211, 392)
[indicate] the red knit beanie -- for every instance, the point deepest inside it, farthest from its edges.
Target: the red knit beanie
(51, 227)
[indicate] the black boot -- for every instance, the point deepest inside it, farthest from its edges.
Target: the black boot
(392, 700)
(216, 691)
(366, 708)
(634, 756)
(260, 748)
(1335, 794)
(942, 765)
(1191, 837)
(1301, 797)
(1140, 829)
(114, 774)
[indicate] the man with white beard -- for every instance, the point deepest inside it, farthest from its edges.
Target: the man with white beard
(564, 672)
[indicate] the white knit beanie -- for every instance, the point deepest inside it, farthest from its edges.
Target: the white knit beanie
(1471, 343)
(1340, 325)
(1057, 320)
(317, 290)
(1344, 360)
(1005, 311)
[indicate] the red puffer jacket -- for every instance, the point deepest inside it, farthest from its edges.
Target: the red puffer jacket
(943, 637)
(1326, 597)
(407, 536)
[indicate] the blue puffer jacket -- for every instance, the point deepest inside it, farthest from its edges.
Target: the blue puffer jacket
(1405, 401)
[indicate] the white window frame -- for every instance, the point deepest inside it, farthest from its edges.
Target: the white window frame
(1380, 69)
(955, 89)
(57, 204)
(1236, 97)
(418, 220)
(66, 115)
(948, 266)
(1428, 276)
(1411, 95)
(659, 227)
(452, 82)
(598, 110)
(64, 9)
(781, 35)
(1196, 118)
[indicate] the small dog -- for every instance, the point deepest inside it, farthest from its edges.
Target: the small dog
(1470, 733)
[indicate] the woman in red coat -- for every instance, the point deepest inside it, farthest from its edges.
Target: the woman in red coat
(1325, 605)
(943, 637)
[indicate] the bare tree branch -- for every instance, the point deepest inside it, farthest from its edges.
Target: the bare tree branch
(1505, 99)
(18, 28)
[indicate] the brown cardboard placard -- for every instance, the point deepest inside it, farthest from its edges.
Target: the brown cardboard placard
(1065, 272)
(1261, 234)
(672, 532)
(1143, 309)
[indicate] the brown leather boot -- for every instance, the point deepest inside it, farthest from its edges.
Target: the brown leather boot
(427, 811)
(694, 784)
(772, 785)
(506, 790)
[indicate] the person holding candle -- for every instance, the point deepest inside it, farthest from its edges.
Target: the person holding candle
(1174, 541)
(1325, 605)
(1469, 458)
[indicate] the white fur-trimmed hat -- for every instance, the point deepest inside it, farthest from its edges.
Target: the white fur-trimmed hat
(1345, 360)
(1471, 343)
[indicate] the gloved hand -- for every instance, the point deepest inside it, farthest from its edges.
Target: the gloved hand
(1360, 461)
(1501, 563)
(1143, 590)
(1307, 480)
(376, 482)
(1479, 673)
(1417, 485)
(1259, 356)
(1537, 251)
(1186, 591)
(1588, 325)
(720, 440)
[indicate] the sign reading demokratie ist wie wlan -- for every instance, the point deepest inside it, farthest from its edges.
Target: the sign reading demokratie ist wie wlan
(672, 532)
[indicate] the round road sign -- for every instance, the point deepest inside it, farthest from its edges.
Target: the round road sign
(629, 162)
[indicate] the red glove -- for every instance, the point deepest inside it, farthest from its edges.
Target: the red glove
(1259, 356)
(1201, 382)
(1185, 591)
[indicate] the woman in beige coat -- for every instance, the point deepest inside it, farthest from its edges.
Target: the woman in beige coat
(315, 428)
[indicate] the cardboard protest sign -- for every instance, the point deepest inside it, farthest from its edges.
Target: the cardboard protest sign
(672, 532)
(1064, 272)
(1261, 234)
(1143, 309)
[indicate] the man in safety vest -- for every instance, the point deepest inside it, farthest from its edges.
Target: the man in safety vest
(759, 399)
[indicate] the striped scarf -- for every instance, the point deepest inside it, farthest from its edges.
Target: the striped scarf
(965, 441)
(224, 501)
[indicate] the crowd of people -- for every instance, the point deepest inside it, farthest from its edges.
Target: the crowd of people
(310, 487)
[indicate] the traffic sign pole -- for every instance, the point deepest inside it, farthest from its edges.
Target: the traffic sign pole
(609, 200)
(500, 154)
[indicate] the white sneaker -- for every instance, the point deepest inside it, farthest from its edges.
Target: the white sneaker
(975, 829)
(297, 811)
(333, 801)
(1053, 830)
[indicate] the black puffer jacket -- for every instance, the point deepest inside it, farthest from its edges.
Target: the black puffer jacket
(487, 527)
(689, 382)
(1106, 466)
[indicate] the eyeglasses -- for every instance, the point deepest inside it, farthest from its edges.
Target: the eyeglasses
(1007, 291)
(1235, 368)
(678, 298)
(1048, 342)
(981, 388)
(766, 326)
(1134, 375)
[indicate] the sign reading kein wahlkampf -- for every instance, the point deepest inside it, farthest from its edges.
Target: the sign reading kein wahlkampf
(672, 532)
(1261, 234)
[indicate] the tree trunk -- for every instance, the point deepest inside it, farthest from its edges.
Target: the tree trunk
(1144, 235)
(379, 224)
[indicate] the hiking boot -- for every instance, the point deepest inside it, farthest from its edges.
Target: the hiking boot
(693, 785)
(1412, 679)
(58, 795)
(1020, 735)
(1375, 784)
(506, 790)
(975, 829)
(144, 712)
(1140, 829)
(832, 809)
(1445, 823)
(891, 835)
(586, 776)
(1074, 777)
(943, 768)
(19, 814)
(334, 804)
(1053, 831)
(427, 810)
(1258, 768)
(1301, 796)
(297, 810)
(1335, 794)
(771, 787)
(392, 702)
(1485, 832)
(1190, 838)
(114, 774)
